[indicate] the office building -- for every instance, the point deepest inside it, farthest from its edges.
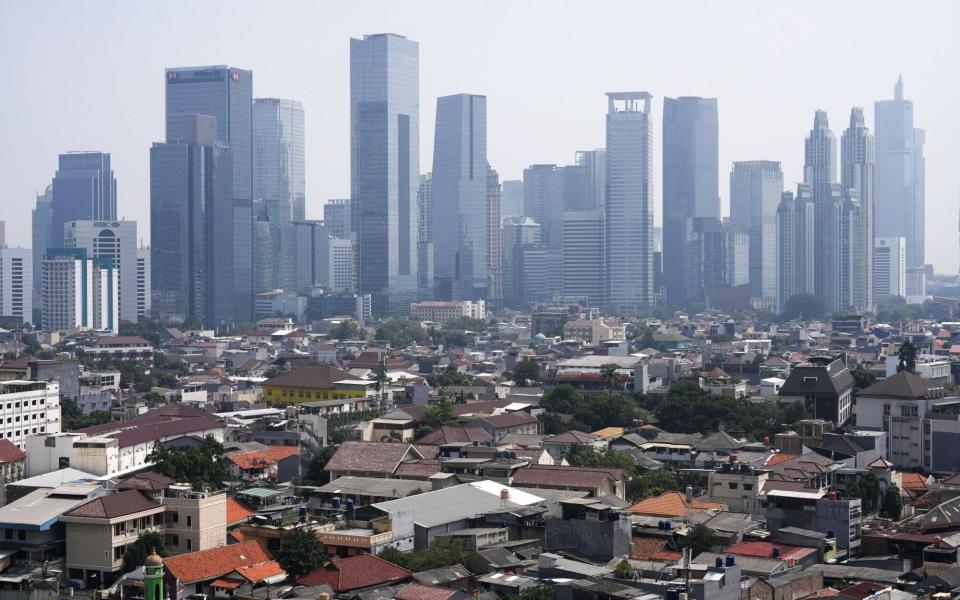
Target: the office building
(226, 94)
(385, 167)
(494, 260)
(899, 189)
(890, 268)
(425, 281)
(583, 256)
(41, 224)
(515, 233)
(267, 262)
(594, 163)
(16, 284)
(820, 173)
(84, 187)
(756, 188)
(853, 278)
(3, 234)
(32, 407)
(718, 255)
(796, 244)
(543, 202)
(78, 292)
(857, 158)
(511, 200)
(336, 216)
(629, 204)
(690, 186)
(192, 216)
(458, 207)
(117, 242)
(316, 258)
(144, 287)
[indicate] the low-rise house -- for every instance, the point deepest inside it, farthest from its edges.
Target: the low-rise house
(671, 505)
(313, 383)
(499, 426)
(12, 466)
(789, 586)
(371, 459)
(558, 445)
(122, 348)
(355, 573)
(587, 527)
(824, 385)
(99, 531)
(394, 426)
(196, 572)
(194, 520)
(596, 481)
(265, 464)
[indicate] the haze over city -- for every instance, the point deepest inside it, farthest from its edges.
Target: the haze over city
(90, 76)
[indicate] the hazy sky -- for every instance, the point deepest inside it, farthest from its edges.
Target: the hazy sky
(89, 76)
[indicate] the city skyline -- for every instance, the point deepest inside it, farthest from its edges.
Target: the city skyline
(521, 130)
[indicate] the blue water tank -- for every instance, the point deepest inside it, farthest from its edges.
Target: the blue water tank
(719, 562)
(830, 534)
(731, 561)
(673, 594)
(335, 502)
(776, 552)
(350, 504)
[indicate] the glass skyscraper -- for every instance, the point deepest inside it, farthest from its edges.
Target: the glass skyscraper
(629, 206)
(278, 171)
(691, 167)
(857, 167)
(226, 94)
(756, 187)
(84, 188)
(385, 167)
(459, 189)
(42, 218)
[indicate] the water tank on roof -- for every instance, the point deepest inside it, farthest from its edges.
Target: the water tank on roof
(776, 552)
(335, 502)
(718, 562)
(731, 561)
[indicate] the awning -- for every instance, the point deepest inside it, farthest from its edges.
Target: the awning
(226, 584)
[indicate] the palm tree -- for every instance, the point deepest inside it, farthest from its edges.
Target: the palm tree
(608, 375)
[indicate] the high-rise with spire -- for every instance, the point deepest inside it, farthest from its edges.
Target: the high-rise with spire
(820, 173)
(900, 174)
(857, 160)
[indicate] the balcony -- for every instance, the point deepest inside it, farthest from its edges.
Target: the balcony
(355, 538)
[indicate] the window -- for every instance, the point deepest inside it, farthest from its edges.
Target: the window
(21, 534)
(189, 544)
(886, 409)
(8, 534)
(732, 485)
(747, 487)
(189, 523)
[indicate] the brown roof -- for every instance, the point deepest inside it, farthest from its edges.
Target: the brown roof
(418, 591)
(114, 505)
(576, 477)
(147, 481)
(448, 434)
(166, 421)
(512, 419)
(258, 459)
(311, 376)
(372, 457)
(258, 572)
(671, 504)
(422, 469)
(9, 452)
(357, 572)
(215, 562)
(570, 437)
(901, 385)
(121, 340)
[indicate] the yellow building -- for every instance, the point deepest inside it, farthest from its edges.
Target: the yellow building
(315, 382)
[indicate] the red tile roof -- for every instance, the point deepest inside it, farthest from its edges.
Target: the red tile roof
(765, 550)
(652, 549)
(258, 572)
(914, 483)
(671, 504)
(226, 584)
(259, 459)
(345, 574)
(450, 434)
(114, 505)
(418, 591)
(9, 452)
(215, 562)
(780, 457)
(237, 513)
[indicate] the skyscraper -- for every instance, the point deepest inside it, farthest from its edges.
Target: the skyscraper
(78, 292)
(890, 268)
(192, 223)
(458, 219)
(583, 257)
(385, 167)
(796, 225)
(16, 284)
(820, 173)
(690, 187)
(115, 241)
(629, 209)
(41, 221)
(278, 168)
(515, 234)
(544, 203)
(226, 94)
(336, 216)
(756, 188)
(899, 190)
(84, 187)
(494, 260)
(857, 158)
(511, 200)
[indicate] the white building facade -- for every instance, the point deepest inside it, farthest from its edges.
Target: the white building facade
(78, 292)
(116, 241)
(16, 283)
(27, 408)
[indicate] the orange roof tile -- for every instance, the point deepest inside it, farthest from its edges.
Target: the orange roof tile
(652, 549)
(237, 513)
(215, 562)
(780, 457)
(258, 459)
(671, 504)
(259, 572)
(915, 483)
(356, 572)
(226, 584)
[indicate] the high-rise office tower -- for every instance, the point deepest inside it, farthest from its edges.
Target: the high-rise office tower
(756, 188)
(115, 241)
(629, 207)
(796, 244)
(42, 223)
(690, 186)
(719, 260)
(594, 163)
(511, 198)
(78, 292)
(857, 159)
(515, 233)
(425, 282)
(16, 284)
(83, 188)
(336, 216)
(853, 278)
(192, 215)
(144, 287)
(458, 216)
(226, 94)
(267, 263)
(3, 234)
(583, 257)
(543, 202)
(820, 173)
(890, 268)
(899, 184)
(385, 167)
(494, 261)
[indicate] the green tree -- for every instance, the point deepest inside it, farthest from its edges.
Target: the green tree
(803, 305)
(137, 552)
(441, 552)
(562, 399)
(608, 375)
(652, 483)
(892, 504)
(623, 570)
(448, 376)
(381, 379)
(204, 467)
(401, 332)
(908, 357)
(862, 377)
(436, 415)
(585, 456)
(699, 539)
(867, 489)
(544, 591)
(73, 417)
(300, 552)
(347, 330)
(526, 372)
(316, 472)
